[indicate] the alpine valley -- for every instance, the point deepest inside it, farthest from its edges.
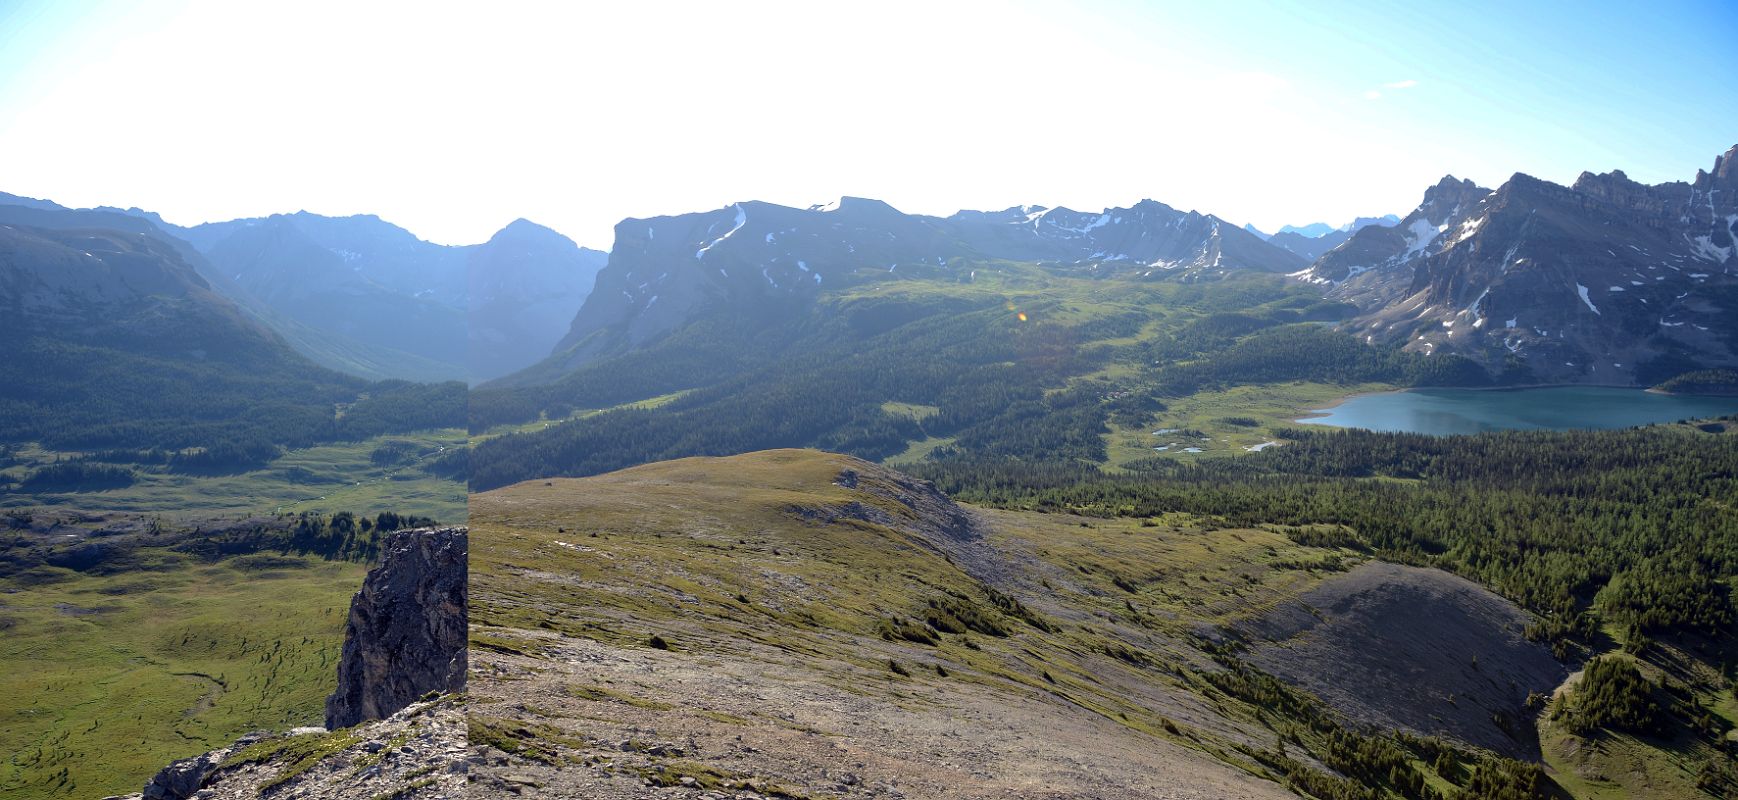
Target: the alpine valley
(440, 401)
(841, 501)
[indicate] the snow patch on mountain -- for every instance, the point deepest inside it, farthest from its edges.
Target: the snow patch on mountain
(741, 220)
(1421, 234)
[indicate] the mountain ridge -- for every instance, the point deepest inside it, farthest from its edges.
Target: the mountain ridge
(758, 258)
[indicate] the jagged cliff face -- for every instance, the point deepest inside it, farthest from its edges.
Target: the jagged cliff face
(406, 634)
(1606, 281)
(759, 260)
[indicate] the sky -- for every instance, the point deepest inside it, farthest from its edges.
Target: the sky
(453, 119)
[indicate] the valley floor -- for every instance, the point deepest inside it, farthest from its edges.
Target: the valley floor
(327, 478)
(112, 672)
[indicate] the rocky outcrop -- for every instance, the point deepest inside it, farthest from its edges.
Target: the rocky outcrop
(406, 634)
(405, 640)
(419, 753)
(916, 508)
(183, 778)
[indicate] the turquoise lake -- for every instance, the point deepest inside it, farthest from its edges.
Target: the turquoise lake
(1452, 411)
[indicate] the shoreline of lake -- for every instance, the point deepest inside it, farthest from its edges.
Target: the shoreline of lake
(1323, 411)
(1436, 411)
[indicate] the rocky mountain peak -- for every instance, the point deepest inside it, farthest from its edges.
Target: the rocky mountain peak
(526, 231)
(859, 207)
(1149, 205)
(1725, 170)
(1608, 183)
(406, 633)
(1447, 197)
(1605, 281)
(9, 199)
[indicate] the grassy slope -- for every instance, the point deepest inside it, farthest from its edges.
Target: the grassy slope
(352, 356)
(1611, 765)
(1077, 300)
(116, 676)
(544, 422)
(708, 555)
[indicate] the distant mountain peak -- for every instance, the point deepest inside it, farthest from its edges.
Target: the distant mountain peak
(1311, 242)
(523, 228)
(1314, 230)
(1359, 223)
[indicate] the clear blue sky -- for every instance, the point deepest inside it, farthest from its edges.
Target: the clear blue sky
(453, 119)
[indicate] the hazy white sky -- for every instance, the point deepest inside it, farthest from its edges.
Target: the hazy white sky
(454, 118)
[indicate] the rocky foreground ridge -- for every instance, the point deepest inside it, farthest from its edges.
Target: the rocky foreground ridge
(798, 624)
(394, 726)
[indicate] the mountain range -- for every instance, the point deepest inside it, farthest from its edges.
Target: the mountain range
(363, 296)
(652, 498)
(1606, 281)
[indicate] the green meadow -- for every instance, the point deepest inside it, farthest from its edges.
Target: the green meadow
(114, 676)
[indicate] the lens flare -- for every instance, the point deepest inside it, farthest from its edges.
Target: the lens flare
(1022, 316)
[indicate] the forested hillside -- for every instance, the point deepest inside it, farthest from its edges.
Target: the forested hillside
(120, 355)
(1015, 363)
